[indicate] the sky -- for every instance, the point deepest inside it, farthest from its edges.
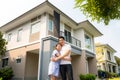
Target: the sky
(10, 9)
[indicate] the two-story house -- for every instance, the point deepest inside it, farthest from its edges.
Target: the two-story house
(32, 36)
(105, 58)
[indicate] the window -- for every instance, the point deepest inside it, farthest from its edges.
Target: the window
(35, 27)
(9, 36)
(88, 42)
(67, 33)
(109, 57)
(67, 36)
(50, 25)
(114, 69)
(4, 62)
(18, 60)
(109, 66)
(19, 36)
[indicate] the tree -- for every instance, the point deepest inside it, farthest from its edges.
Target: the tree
(2, 44)
(100, 10)
(117, 60)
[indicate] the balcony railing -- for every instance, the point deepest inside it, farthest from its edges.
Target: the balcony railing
(71, 39)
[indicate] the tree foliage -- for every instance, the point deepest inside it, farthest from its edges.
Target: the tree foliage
(117, 60)
(2, 44)
(6, 73)
(100, 10)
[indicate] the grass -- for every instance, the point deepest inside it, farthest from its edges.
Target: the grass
(115, 79)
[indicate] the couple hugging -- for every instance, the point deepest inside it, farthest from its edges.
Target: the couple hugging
(61, 61)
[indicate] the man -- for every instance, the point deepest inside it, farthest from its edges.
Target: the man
(65, 65)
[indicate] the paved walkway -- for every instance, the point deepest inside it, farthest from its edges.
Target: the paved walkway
(100, 79)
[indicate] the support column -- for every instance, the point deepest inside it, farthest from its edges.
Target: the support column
(76, 66)
(92, 62)
(44, 58)
(111, 66)
(83, 63)
(46, 49)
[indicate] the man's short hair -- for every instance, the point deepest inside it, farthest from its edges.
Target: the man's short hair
(61, 37)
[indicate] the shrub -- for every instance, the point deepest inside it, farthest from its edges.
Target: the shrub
(87, 77)
(105, 74)
(114, 74)
(90, 77)
(82, 77)
(6, 73)
(108, 74)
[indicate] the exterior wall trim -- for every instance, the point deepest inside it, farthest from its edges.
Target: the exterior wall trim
(110, 62)
(25, 45)
(90, 53)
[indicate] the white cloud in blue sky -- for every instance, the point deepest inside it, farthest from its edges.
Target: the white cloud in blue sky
(10, 9)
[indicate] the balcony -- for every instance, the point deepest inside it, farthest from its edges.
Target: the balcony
(71, 39)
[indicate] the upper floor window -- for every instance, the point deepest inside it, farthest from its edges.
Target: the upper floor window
(67, 33)
(4, 62)
(88, 43)
(109, 56)
(9, 36)
(35, 27)
(102, 52)
(19, 35)
(50, 24)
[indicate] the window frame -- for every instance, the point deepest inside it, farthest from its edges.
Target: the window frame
(52, 26)
(31, 30)
(89, 45)
(4, 63)
(9, 37)
(19, 36)
(67, 35)
(109, 55)
(18, 60)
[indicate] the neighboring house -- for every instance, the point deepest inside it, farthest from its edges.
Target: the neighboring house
(105, 58)
(118, 64)
(32, 36)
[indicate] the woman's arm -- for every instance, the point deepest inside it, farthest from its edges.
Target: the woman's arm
(67, 52)
(66, 58)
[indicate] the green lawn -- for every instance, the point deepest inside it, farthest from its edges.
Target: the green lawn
(115, 79)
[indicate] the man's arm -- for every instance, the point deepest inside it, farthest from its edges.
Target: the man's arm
(66, 58)
(67, 52)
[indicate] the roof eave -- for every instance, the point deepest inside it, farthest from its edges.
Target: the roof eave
(24, 15)
(90, 26)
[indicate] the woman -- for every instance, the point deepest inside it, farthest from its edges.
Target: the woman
(53, 70)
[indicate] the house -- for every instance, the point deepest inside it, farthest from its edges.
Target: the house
(105, 58)
(32, 36)
(118, 64)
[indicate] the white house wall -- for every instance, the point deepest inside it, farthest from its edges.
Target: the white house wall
(79, 34)
(43, 26)
(25, 31)
(61, 26)
(26, 28)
